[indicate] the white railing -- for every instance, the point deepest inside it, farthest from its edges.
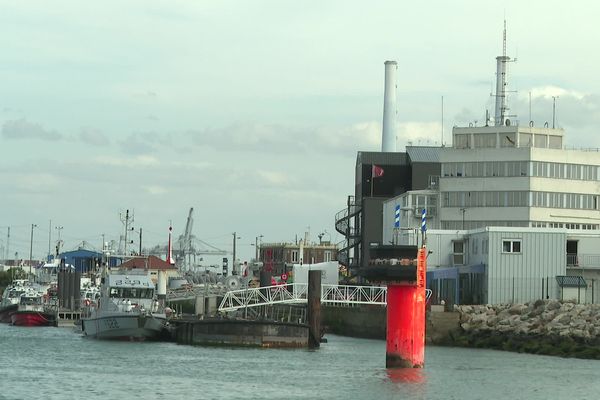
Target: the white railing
(583, 260)
(297, 293)
(254, 297)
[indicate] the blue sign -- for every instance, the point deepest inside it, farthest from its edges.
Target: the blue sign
(397, 217)
(423, 220)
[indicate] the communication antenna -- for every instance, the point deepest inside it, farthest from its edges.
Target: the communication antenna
(530, 107)
(554, 111)
(442, 121)
(501, 72)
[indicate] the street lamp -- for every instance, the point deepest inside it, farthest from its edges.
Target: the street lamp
(31, 247)
(256, 245)
(59, 228)
(234, 270)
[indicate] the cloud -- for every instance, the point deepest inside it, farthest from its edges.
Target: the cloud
(155, 189)
(23, 129)
(290, 139)
(37, 182)
(419, 133)
(549, 91)
(144, 142)
(140, 161)
(359, 136)
(273, 178)
(93, 137)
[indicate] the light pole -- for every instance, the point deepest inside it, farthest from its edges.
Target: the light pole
(234, 269)
(57, 251)
(59, 228)
(31, 247)
(256, 246)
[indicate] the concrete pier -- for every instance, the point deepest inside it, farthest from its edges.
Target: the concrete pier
(233, 332)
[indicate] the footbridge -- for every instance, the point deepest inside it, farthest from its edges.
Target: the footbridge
(340, 295)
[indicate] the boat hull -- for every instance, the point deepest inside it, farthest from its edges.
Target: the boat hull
(6, 311)
(31, 318)
(119, 326)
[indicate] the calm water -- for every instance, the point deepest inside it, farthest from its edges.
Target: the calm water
(55, 363)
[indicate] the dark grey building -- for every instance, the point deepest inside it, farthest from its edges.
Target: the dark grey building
(361, 222)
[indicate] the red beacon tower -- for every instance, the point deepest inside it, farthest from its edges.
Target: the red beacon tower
(404, 273)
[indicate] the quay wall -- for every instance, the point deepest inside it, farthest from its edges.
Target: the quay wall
(247, 333)
(370, 322)
(366, 321)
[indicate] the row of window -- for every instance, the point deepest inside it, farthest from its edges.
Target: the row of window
(486, 168)
(509, 246)
(420, 200)
(574, 201)
(458, 225)
(521, 168)
(296, 258)
(567, 225)
(490, 140)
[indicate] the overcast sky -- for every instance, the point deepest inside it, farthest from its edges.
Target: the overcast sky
(252, 111)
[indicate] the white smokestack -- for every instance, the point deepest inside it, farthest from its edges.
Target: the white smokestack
(388, 136)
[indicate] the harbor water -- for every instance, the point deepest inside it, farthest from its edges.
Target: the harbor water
(56, 363)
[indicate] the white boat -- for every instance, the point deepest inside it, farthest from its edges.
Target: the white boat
(126, 309)
(11, 297)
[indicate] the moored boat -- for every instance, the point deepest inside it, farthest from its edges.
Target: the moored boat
(31, 311)
(10, 299)
(127, 309)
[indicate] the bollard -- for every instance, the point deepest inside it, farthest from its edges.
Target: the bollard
(314, 309)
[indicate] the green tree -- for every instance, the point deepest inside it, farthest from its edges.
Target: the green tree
(6, 277)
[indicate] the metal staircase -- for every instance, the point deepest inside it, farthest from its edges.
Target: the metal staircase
(352, 236)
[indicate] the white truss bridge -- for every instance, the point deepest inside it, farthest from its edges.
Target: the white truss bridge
(297, 293)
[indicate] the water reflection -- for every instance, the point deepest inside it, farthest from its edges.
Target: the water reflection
(408, 382)
(406, 375)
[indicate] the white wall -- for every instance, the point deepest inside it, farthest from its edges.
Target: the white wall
(329, 272)
(518, 276)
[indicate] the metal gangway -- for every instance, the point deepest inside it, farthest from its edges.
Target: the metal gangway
(341, 295)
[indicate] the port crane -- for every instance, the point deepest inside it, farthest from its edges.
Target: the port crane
(188, 246)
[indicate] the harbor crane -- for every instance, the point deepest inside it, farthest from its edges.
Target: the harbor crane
(189, 246)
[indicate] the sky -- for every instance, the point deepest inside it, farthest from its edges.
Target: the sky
(252, 112)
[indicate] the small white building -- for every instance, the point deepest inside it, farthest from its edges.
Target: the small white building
(512, 265)
(329, 272)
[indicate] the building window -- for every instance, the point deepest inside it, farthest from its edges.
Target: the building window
(511, 246)
(458, 252)
(294, 255)
(327, 255)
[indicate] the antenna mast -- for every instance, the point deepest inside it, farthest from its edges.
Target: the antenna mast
(501, 62)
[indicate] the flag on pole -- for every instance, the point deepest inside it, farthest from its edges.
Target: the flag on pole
(377, 171)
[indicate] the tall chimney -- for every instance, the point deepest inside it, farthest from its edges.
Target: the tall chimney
(388, 136)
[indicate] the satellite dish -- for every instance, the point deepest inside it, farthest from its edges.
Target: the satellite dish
(233, 282)
(507, 122)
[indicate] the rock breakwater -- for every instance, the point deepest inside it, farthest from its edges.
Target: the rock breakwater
(542, 327)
